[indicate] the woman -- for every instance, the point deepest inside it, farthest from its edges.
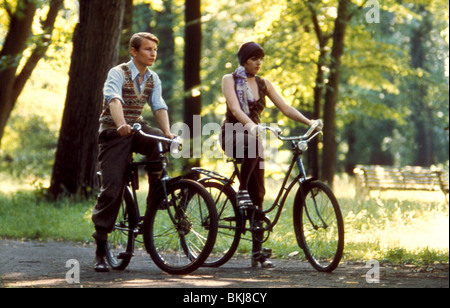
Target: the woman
(245, 94)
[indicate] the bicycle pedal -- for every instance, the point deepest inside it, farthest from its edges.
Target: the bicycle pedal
(258, 229)
(248, 206)
(124, 255)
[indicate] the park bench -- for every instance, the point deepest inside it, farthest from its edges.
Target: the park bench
(382, 178)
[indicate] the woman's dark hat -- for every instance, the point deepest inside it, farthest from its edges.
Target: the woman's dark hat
(248, 50)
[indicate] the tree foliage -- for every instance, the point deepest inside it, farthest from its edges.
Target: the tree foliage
(389, 104)
(20, 17)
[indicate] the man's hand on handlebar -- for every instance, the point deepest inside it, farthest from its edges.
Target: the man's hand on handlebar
(171, 135)
(124, 130)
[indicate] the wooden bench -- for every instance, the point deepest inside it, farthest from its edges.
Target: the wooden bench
(382, 178)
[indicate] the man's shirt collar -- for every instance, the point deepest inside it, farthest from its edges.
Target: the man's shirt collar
(135, 71)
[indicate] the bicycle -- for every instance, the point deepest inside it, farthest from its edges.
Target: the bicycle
(179, 227)
(318, 222)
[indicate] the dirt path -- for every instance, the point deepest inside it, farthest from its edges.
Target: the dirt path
(36, 264)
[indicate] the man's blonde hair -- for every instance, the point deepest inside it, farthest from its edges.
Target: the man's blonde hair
(136, 39)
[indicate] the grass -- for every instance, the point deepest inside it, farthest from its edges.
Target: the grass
(397, 227)
(25, 214)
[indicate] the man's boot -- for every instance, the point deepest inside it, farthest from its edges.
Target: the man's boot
(100, 253)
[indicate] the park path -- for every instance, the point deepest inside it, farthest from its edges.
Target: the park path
(43, 265)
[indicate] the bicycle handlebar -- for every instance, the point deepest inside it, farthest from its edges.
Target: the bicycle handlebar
(175, 143)
(305, 138)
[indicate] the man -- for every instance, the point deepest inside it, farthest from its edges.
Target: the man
(127, 88)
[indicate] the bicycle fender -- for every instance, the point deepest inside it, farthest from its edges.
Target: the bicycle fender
(211, 175)
(208, 179)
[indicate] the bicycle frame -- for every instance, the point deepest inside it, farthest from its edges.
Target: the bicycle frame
(165, 178)
(285, 188)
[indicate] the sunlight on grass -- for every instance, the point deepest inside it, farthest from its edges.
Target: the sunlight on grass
(412, 222)
(11, 185)
(377, 227)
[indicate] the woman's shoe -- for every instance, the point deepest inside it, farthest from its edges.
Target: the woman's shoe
(262, 257)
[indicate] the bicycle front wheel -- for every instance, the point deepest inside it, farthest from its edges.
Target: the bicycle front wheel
(180, 231)
(120, 246)
(319, 226)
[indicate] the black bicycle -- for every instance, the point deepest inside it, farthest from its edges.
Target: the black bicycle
(317, 218)
(179, 227)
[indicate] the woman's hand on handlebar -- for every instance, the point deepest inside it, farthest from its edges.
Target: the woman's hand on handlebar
(318, 124)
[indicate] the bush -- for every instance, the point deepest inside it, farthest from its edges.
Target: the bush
(28, 147)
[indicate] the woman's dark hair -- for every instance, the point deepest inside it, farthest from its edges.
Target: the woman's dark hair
(249, 50)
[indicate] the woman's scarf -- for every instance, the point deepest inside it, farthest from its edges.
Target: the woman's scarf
(243, 92)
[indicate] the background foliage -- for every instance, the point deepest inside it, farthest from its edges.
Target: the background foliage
(377, 115)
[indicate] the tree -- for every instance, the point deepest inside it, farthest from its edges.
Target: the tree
(164, 30)
(127, 32)
(95, 51)
(329, 156)
(323, 39)
(421, 114)
(192, 58)
(16, 41)
(345, 11)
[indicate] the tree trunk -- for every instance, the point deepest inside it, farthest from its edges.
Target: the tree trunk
(421, 116)
(329, 158)
(313, 153)
(15, 43)
(127, 32)
(95, 51)
(166, 47)
(192, 57)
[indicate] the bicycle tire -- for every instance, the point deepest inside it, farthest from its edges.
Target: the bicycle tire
(319, 226)
(179, 233)
(120, 246)
(228, 226)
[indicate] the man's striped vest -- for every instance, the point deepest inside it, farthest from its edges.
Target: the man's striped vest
(133, 101)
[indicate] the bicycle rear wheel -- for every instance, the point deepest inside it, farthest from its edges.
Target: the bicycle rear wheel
(120, 247)
(319, 226)
(228, 227)
(179, 233)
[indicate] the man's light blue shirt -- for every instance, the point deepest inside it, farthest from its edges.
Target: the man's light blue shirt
(114, 83)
